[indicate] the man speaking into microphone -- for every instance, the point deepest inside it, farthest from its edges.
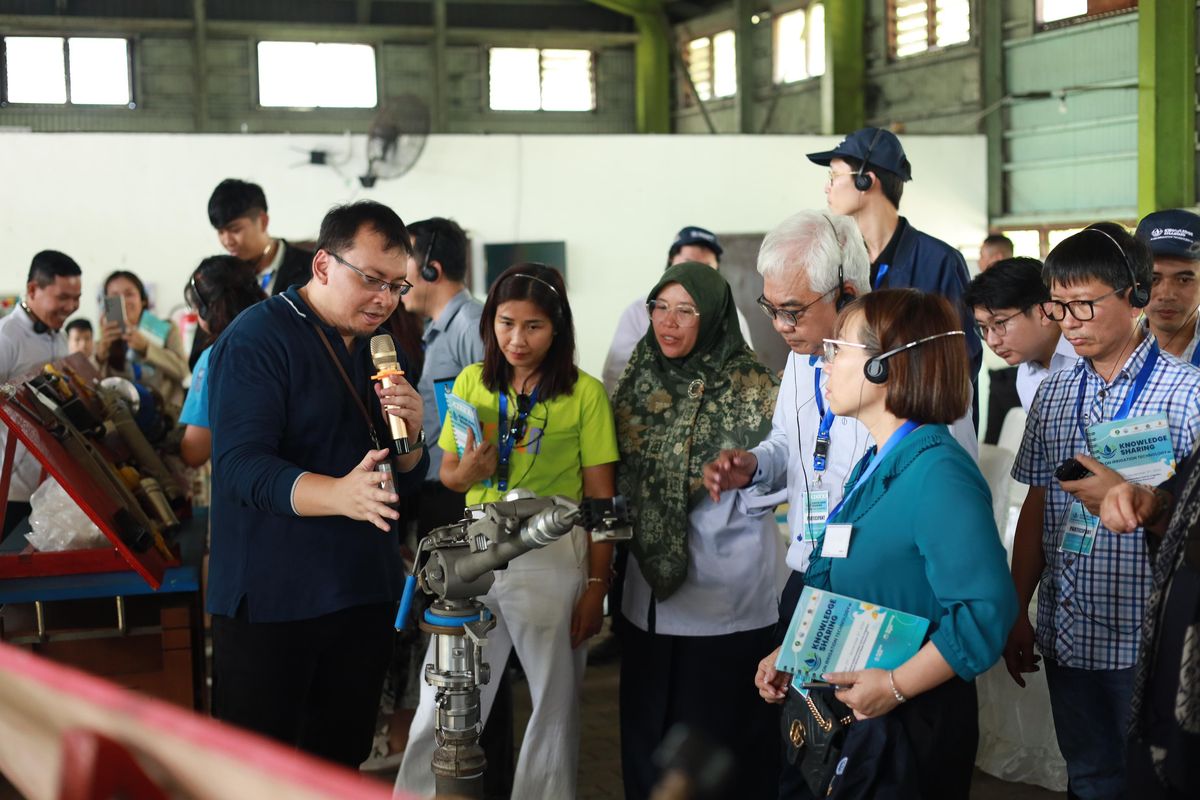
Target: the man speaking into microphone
(305, 567)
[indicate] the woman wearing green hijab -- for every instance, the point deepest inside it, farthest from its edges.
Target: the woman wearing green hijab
(699, 601)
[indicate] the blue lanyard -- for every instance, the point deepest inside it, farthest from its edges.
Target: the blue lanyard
(266, 279)
(1131, 396)
(893, 440)
(821, 448)
(508, 441)
(1195, 359)
(883, 270)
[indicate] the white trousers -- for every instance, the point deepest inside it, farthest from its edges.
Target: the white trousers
(533, 614)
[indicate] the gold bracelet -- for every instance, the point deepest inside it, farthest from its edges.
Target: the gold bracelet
(604, 581)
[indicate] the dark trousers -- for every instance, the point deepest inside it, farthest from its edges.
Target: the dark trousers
(1002, 398)
(313, 683)
(707, 684)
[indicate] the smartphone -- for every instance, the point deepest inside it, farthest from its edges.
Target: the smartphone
(822, 685)
(114, 310)
(1072, 470)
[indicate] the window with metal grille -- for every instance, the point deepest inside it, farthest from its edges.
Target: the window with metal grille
(316, 75)
(56, 71)
(529, 79)
(800, 44)
(712, 65)
(915, 26)
(1067, 12)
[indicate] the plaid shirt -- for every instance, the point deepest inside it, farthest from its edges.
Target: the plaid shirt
(1090, 607)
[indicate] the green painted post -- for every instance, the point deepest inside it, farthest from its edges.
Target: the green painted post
(991, 66)
(843, 86)
(652, 55)
(1166, 106)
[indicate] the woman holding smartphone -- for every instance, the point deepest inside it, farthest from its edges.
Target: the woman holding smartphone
(547, 427)
(155, 358)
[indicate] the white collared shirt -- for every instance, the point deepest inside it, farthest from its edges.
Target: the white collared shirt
(1030, 374)
(24, 351)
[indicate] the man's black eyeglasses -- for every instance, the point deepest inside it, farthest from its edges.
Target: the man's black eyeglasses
(398, 289)
(786, 315)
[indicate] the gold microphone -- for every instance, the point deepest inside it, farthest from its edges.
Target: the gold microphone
(383, 356)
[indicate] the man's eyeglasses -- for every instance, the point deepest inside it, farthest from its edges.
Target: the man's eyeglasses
(834, 175)
(1082, 310)
(998, 325)
(786, 315)
(686, 316)
(375, 284)
(830, 348)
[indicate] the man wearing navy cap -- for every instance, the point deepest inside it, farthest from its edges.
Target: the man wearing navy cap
(867, 173)
(1174, 239)
(691, 244)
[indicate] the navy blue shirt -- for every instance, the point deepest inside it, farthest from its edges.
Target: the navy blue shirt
(278, 409)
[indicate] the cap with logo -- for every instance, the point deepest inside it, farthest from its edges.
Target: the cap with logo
(877, 147)
(1174, 233)
(694, 235)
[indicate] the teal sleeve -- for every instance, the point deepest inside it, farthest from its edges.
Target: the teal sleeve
(965, 564)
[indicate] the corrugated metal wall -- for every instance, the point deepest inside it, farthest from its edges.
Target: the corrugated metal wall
(1073, 155)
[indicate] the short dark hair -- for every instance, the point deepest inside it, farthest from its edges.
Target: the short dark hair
(449, 245)
(49, 265)
(930, 383)
(225, 287)
(675, 248)
(235, 198)
(78, 325)
(134, 279)
(1009, 283)
(890, 183)
(543, 286)
(1104, 251)
(999, 240)
(342, 223)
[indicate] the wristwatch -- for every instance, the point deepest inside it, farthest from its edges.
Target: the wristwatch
(420, 442)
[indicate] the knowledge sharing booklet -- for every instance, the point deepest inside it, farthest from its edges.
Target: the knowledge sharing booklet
(1139, 448)
(833, 633)
(463, 418)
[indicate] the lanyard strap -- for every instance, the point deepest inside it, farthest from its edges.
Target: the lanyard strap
(1131, 396)
(508, 434)
(821, 448)
(1195, 359)
(883, 270)
(875, 460)
(349, 386)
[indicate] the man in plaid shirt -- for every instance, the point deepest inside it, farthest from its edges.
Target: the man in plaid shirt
(1092, 592)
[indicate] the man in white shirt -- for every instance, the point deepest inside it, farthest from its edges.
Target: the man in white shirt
(1174, 239)
(1006, 301)
(691, 244)
(30, 337)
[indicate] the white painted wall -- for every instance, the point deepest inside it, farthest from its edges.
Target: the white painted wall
(137, 201)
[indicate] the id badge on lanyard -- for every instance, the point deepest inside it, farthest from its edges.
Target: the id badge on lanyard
(1079, 534)
(816, 501)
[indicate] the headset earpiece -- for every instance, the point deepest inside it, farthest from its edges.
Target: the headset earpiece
(876, 370)
(429, 273)
(38, 325)
(1139, 293)
(863, 181)
(843, 298)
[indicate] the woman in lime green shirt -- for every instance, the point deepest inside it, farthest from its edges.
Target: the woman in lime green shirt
(547, 427)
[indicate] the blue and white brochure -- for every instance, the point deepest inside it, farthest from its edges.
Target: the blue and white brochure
(463, 418)
(1139, 448)
(833, 633)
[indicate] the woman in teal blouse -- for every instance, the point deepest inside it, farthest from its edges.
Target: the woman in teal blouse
(921, 536)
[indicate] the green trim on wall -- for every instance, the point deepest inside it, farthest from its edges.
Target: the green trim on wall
(1166, 106)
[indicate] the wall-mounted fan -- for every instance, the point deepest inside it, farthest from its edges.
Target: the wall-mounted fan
(396, 138)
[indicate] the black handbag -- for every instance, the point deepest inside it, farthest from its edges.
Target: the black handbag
(814, 731)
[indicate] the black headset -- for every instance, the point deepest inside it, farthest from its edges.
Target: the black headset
(38, 325)
(843, 299)
(876, 368)
(1139, 293)
(862, 181)
(429, 274)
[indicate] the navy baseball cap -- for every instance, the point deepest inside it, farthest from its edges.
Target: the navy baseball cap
(879, 148)
(1174, 233)
(694, 235)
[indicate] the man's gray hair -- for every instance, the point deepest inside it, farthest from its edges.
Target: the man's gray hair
(816, 242)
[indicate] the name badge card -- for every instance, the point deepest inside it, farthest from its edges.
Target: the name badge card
(816, 511)
(1080, 534)
(837, 541)
(1138, 447)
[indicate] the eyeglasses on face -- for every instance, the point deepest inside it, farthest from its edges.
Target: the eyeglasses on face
(998, 325)
(685, 315)
(398, 289)
(1082, 310)
(830, 348)
(788, 316)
